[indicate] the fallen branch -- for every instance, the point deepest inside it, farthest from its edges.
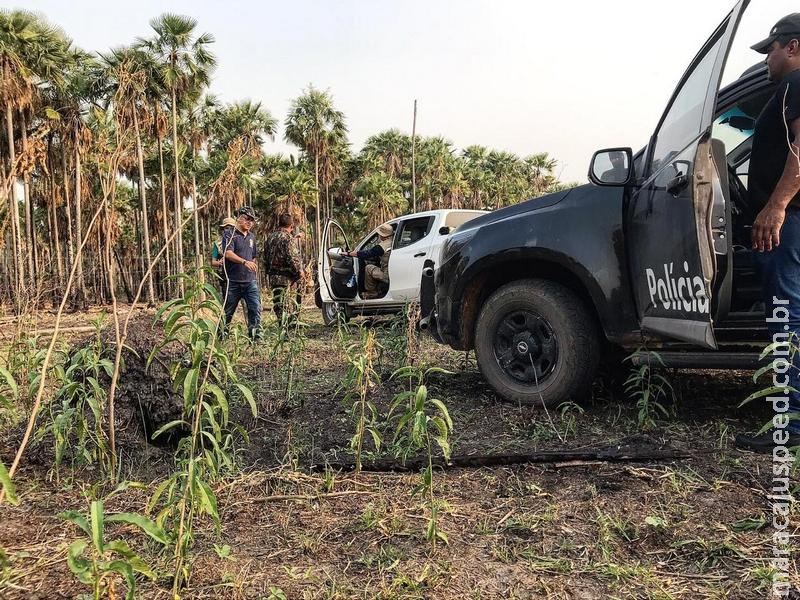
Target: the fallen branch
(81, 329)
(303, 497)
(572, 457)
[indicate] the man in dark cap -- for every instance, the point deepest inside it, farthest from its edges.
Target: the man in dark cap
(774, 187)
(240, 251)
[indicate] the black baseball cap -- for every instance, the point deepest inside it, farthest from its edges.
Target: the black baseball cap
(788, 25)
(248, 212)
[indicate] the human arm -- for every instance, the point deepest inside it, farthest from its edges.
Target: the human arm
(373, 253)
(231, 255)
(216, 256)
(294, 258)
(767, 226)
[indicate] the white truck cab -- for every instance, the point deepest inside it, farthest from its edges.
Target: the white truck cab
(417, 237)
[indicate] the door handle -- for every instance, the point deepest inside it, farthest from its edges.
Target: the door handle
(677, 183)
(418, 254)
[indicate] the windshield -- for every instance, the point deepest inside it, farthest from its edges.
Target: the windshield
(732, 131)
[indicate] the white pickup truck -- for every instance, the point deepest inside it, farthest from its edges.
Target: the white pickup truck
(417, 238)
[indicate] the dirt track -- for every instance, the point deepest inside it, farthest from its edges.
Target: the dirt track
(667, 529)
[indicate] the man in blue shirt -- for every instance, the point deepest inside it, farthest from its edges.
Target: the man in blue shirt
(240, 267)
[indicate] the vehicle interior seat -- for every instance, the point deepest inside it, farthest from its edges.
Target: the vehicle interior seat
(746, 289)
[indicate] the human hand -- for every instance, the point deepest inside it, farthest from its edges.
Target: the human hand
(251, 265)
(767, 228)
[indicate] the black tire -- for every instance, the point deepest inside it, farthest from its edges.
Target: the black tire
(331, 312)
(558, 332)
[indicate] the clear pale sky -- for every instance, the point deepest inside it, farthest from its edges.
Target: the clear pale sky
(564, 77)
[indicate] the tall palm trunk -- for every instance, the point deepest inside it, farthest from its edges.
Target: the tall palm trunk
(81, 284)
(316, 177)
(14, 207)
(30, 232)
(67, 205)
(151, 298)
(9, 285)
(56, 234)
(165, 227)
(196, 219)
(178, 207)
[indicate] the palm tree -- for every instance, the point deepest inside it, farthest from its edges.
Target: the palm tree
(315, 126)
(435, 156)
(382, 198)
(246, 119)
(476, 172)
(289, 188)
(506, 175)
(128, 70)
(186, 66)
(32, 53)
(16, 92)
(79, 91)
(539, 170)
(392, 148)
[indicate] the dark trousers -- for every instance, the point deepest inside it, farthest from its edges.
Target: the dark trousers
(284, 302)
(780, 269)
(249, 292)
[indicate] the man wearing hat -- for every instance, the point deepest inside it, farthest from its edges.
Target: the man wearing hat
(774, 188)
(228, 223)
(375, 274)
(239, 246)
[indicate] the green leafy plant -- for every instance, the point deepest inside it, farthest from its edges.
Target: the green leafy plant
(23, 363)
(649, 388)
(424, 421)
(9, 392)
(95, 560)
(400, 339)
(7, 486)
(77, 413)
(568, 412)
(288, 351)
(207, 376)
(785, 352)
(357, 383)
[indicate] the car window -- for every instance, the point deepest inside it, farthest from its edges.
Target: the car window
(727, 131)
(458, 218)
(336, 237)
(742, 172)
(412, 231)
(683, 121)
(370, 242)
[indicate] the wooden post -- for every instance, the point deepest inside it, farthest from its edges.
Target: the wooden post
(414, 160)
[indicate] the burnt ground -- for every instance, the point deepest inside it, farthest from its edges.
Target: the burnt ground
(688, 528)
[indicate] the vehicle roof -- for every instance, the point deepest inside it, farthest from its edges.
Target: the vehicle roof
(441, 211)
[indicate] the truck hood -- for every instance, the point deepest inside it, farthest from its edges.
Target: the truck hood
(515, 209)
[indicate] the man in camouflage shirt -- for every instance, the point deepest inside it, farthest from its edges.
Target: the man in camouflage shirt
(283, 267)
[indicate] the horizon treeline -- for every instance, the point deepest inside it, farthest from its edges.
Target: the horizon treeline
(120, 161)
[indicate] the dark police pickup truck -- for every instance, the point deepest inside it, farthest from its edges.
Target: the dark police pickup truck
(654, 252)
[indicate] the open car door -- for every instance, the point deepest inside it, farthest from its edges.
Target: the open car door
(675, 219)
(336, 274)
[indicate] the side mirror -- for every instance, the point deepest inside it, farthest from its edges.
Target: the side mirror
(612, 166)
(444, 230)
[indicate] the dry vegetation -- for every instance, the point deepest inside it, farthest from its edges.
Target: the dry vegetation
(289, 527)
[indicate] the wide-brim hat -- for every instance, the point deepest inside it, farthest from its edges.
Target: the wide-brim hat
(228, 221)
(385, 230)
(788, 25)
